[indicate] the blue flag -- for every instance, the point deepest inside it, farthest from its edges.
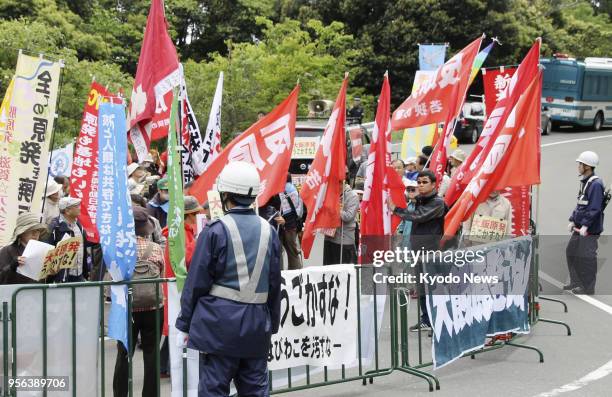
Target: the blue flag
(115, 220)
(431, 56)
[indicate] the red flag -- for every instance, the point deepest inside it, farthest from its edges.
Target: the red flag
(321, 190)
(495, 82)
(496, 119)
(267, 144)
(434, 101)
(382, 181)
(512, 159)
(157, 73)
(84, 174)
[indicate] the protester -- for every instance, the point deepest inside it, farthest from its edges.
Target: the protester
(496, 206)
(157, 236)
(399, 167)
(405, 226)
(361, 174)
(158, 205)
(149, 164)
(160, 166)
(270, 211)
(136, 178)
(150, 259)
(427, 229)
(64, 181)
(355, 113)
(192, 209)
(261, 114)
(230, 305)
(51, 207)
(411, 171)
(455, 160)
(427, 151)
(586, 225)
(291, 212)
(66, 225)
(421, 163)
(340, 248)
(28, 228)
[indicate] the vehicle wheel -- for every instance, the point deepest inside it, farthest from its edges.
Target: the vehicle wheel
(474, 135)
(555, 125)
(546, 130)
(598, 121)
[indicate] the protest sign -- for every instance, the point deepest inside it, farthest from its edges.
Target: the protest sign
(214, 204)
(34, 254)
(318, 318)
(63, 256)
(487, 229)
(489, 298)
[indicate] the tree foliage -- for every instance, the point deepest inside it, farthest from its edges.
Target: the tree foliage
(265, 46)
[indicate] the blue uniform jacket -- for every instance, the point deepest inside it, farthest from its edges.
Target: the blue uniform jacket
(221, 326)
(591, 214)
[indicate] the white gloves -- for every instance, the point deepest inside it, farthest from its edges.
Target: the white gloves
(181, 339)
(583, 231)
(571, 226)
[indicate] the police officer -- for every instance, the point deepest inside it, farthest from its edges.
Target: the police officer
(586, 224)
(230, 305)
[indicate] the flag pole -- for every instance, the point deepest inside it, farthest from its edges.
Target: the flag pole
(342, 223)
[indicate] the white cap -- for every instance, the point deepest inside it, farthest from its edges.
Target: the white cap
(239, 177)
(52, 187)
(131, 168)
(410, 160)
(67, 202)
(588, 158)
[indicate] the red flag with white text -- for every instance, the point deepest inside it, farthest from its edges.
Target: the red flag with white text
(513, 158)
(495, 82)
(84, 173)
(382, 181)
(157, 74)
(321, 191)
(496, 119)
(434, 101)
(267, 144)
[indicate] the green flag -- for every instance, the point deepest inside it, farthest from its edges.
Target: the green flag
(176, 219)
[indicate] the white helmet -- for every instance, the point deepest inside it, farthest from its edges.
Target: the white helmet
(240, 178)
(588, 158)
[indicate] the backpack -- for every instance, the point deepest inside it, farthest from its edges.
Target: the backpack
(607, 194)
(144, 296)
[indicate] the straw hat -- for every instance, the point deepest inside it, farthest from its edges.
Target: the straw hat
(26, 222)
(459, 155)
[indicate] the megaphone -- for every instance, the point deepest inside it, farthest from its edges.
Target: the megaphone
(320, 106)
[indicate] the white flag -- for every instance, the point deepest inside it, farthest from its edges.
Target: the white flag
(212, 138)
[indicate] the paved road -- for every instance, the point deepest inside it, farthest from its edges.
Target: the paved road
(576, 365)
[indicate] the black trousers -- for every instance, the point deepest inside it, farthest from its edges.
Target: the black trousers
(581, 253)
(289, 242)
(145, 325)
(331, 253)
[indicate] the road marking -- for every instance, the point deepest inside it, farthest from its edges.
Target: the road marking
(575, 140)
(593, 376)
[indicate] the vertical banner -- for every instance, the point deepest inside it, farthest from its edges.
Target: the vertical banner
(115, 220)
(495, 83)
(356, 134)
(176, 227)
(25, 149)
(520, 199)
(84, 175)
(211, 148)
(60, 162)
(431, 56)
(415, 138)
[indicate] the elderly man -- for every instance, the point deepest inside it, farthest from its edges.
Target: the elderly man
(66, 225)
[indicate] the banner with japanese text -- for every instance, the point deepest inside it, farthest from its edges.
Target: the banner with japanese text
(24, 152)
(84, 174)
(115, 219)
(486, 297)
(318, 318)
(267, 145)
(431, 56)
(60, 161)
(495, 82)
(520, 199)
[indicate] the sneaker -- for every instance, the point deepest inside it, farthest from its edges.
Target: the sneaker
(569, 287)
(582, 291)
(422, 326)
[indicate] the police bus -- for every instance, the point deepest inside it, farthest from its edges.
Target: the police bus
(578, 93)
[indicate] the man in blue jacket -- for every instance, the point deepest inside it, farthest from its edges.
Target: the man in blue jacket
(586, 224)
(230, 305)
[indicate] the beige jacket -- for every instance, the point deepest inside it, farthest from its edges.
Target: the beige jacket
(498, 207)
